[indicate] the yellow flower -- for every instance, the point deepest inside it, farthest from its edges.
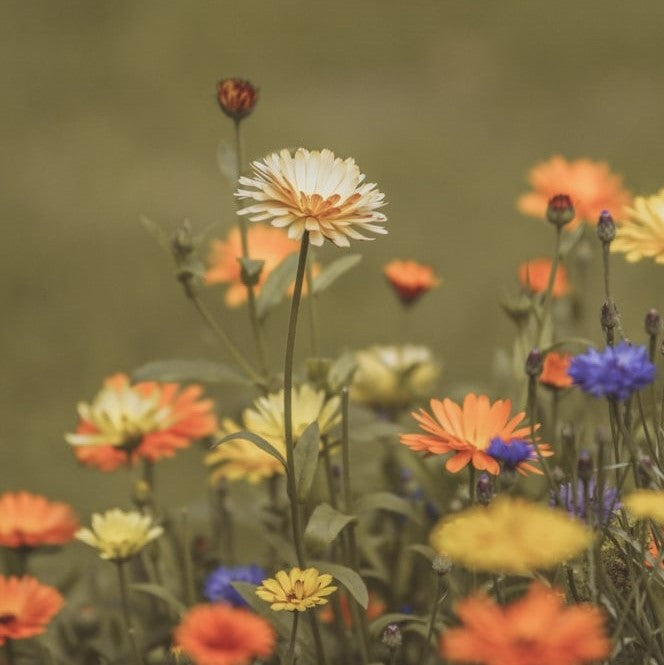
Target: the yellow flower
(393, 375)
(510, 535)
(118, 535)
(240, 459)
(641, 234)
(313, 191)
(297, 590)
(646, 504)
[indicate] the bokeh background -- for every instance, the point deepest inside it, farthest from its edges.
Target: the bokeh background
(109, 113)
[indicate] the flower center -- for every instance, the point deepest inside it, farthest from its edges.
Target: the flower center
(7, 618)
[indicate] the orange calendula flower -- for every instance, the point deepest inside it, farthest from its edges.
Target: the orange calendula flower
(223, 635)
(236, 97)
(591, 186)
(31, 520)
(468, 430)
(26, 607)
(534, 276)
(410, 279)
(554, 370)
(538, 629)
(147, 420)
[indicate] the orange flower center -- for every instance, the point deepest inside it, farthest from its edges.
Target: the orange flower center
(7, 618)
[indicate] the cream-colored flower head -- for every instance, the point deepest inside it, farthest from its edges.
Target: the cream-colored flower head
(313, 191)
(392, 376)
(646, 504)
(297, 590)
(641, 233)
(118, 535)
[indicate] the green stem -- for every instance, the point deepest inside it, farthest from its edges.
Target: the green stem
(532, 401)
(124, 597)
(290, 654)
(190, 585)
(426, 647)
(607, 289)
(9, 652)
(546, 299)
(313, 314)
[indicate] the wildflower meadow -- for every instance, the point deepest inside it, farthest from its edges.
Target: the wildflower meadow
(348, 504)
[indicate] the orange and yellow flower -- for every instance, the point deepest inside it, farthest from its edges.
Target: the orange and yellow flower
(147, 420)
(26, 607)
(410, 279)
(31, 520)
(591, 186)
(467, 430)
(537, 629)
(534, 277)
(554, 370)
(224, 635)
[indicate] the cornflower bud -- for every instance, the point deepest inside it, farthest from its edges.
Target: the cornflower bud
(584, 466)
(392, 637)
(560, 210)
(653, 323)
(606, 227)
(441, 564)
(236, 98)
(534, 363)
(484, 489)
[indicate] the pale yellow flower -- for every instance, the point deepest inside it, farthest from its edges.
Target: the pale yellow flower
(118, 535)
(313, 191)
(510, 535)
(641, 233)
(297, 590)
(646, 504)
(394, 375)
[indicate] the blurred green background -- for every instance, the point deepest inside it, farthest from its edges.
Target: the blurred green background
(109, 112)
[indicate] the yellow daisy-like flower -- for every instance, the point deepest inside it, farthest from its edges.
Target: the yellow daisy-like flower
(510, 535)
(297, 590)
(118, 535)
(646, 504)
(641, 234)
(313, 191)
(393, 375)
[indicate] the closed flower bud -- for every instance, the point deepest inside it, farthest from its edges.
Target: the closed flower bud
(484, 489)
(653, 323)
(606, 227)
(141, 493)
(584, 467)
(392, 637)
(236, 98)
(441, 564)
(86, 622)
(567, 435)
(534, 363)
(182, 242)
(560, 210)
(558, 475)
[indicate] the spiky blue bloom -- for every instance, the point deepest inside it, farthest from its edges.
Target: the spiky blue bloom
(511, 453)
(610, 504)
(218, 586)
(616, 372)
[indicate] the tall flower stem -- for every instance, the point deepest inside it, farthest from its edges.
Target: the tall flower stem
(290, 654)
(124, 598)
(546, 299)
(256, 325)
(426, 647)
(607, 288)
(190, 584)
(312, 301)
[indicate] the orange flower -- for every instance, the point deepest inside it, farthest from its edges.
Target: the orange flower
(224, 635)
(410, 279)
(591, 186)
(26, 607)
(30, 520)
(554, 371)
(468, 430)
(147, 420)
(534, 276)
(375, 608)
(535, 630)
(265, 243)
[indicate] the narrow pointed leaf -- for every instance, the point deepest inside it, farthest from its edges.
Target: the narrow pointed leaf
(163, 594)
(156, 232)
(257, 441)
(334, 270)
(424, 550)
(348, 577)
(377, 626)
(341, 372)
(306, 460)
(188, 370)
(388, 502)
(324, 526)
(272, 292)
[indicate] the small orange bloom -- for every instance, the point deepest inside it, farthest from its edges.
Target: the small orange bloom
(30, 520)
(375, 608)
(410, 279)
(591, 186)
(535, 630)
(554, 371)
(26, 607)
(224, 635)
(236, 97)
(534, 276)
(148, 420)
(468, 430)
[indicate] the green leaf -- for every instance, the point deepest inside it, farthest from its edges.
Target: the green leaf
(334, 270)
(188, 370)
(272, 292)
(227, 161)
(341, 372)
(324, 526)
(156, 232)
(377, 626)
(306, 460)
(251, 270)
(163, 594)
(257, 441)
(427, 552)
(348, 577)
(388, 502)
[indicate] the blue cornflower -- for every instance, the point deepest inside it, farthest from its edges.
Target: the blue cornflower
(218, 583)
(510, 454)
(615, 372)
(610, 503)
